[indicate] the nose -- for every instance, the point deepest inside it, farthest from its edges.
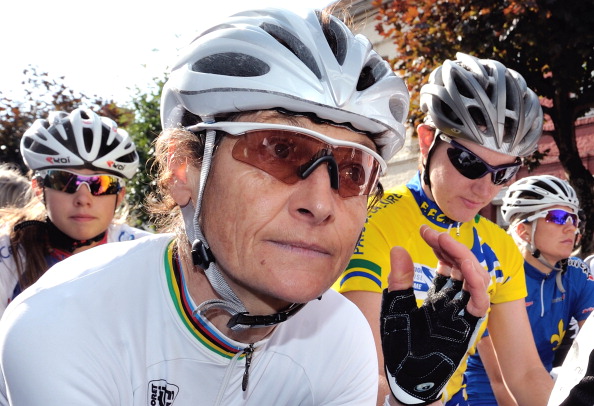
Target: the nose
(83, 195)
(313, 198)
(484, 187)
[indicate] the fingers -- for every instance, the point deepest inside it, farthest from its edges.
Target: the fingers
(476, 281)
(458, 262)
(401, 270)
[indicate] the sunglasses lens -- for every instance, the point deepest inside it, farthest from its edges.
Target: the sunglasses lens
(283, 153)
(561, 217)
(504, 175)
(467, 164)
(473, 167)
(69, 182)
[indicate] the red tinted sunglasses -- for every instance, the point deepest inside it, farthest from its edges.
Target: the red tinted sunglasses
(291, 153)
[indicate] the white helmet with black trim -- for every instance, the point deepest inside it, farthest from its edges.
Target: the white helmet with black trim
(484, 102)
(272, 58)
(79, 140)
(526, 198)
(534, 194)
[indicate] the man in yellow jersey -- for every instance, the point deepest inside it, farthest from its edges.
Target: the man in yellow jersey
(481, 119)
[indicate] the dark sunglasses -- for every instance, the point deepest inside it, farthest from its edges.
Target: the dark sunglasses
(290, 153)
(70, 182)
(473, 167)
(557, 216)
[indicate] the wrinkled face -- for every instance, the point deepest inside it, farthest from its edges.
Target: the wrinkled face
(80, 215)
(555, 241)
(461, 198)
(277, 242)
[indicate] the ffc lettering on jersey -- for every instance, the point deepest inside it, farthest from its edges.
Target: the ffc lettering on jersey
(161, 393)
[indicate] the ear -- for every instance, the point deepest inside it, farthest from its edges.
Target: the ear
(120, 196)
(37, 188)
(523, 231)
(426, 135)
(180, 181)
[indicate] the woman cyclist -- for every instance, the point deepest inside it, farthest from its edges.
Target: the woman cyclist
(78, 162)
(480, 120)
(277, 127)
(543, 216)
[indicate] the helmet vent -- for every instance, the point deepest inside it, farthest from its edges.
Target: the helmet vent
(447, 111)
(105, 148)
(336, 38)
(293, 44)
(463, 89)
(231, 64)
(38, 148)
(87, 138)
(370, 73)
(478, 118)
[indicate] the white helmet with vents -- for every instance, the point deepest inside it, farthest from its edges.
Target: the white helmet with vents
(79, 140)
(272, 58)
(536, 193)
(484, 102)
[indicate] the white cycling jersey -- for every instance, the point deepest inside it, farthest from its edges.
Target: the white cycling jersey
(8, 271)
(112, 326)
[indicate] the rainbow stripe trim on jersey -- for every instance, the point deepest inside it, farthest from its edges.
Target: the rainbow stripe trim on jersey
(198, 327)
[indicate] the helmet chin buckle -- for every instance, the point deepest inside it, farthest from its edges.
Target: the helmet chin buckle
(201, 254)
(245, 319)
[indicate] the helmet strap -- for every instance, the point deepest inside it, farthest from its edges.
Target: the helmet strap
(203, 257)
(60, 240)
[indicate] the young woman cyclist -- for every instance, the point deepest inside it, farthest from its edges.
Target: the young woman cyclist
(277, 127)
(543, 216)
(480, 119)
(78, 162)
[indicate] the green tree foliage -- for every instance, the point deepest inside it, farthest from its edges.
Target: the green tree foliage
(550, 42)
(143, 130)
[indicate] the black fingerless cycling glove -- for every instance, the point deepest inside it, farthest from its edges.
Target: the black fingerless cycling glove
(424, 346)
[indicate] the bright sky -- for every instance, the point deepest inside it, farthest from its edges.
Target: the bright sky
(107, 47)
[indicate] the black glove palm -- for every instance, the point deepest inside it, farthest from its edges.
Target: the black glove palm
(424, 346)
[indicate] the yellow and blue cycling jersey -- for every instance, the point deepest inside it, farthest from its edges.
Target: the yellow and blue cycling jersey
(396, 221)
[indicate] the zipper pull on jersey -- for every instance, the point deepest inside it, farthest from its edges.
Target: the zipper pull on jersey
(249, 351)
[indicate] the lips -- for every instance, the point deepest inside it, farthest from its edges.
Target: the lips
(302, 248)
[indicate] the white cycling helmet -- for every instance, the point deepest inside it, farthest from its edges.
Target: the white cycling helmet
(530, 196)
(484, 102)
(534, 194)
(273, 58)
(79, 140)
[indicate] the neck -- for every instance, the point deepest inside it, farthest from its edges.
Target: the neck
(535, 262)
(200, 290)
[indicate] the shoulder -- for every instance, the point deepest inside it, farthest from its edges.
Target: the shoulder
(124, 232)
(331, 317)
(393, 203)
(107, 263)
(493, 234)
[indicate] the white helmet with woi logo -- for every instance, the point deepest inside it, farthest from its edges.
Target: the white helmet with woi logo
(79, 140)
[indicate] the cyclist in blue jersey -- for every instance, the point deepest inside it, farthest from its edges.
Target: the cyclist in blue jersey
(78, 162)
(543, 216)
